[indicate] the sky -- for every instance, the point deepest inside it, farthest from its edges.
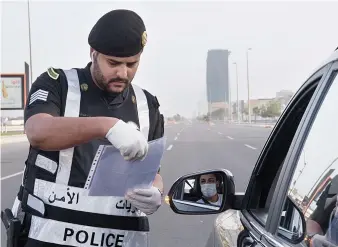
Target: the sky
(288, 40)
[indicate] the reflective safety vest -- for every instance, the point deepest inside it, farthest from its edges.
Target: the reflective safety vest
(66, 215)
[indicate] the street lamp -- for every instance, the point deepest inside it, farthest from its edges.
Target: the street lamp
(247, 77)
(229, 91)
(237, 91)
(30, 43)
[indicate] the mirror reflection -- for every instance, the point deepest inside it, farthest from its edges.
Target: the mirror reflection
(202, 192)
(291, 224)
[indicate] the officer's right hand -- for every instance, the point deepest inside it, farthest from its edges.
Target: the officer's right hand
(128, 139)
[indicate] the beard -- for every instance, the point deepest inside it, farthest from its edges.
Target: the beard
(108, 85)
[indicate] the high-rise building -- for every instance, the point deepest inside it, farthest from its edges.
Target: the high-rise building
(217, 76)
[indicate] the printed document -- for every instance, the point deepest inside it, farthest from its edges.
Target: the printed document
(111, 175)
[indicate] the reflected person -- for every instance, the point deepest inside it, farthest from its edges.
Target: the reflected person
(208, 185)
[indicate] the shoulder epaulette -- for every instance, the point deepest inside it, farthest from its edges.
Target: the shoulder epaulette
(52, 73)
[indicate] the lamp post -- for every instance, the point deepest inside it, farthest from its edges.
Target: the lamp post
(237, 91)
(30, 43)
(247, 77)
(229, 92)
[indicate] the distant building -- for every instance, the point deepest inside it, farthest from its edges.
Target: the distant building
(260, 102)
(217, 80)
(217, 76)
(284, 96)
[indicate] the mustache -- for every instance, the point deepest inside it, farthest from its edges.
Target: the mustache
(125, 81)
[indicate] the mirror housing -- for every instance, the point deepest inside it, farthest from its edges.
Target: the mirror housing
(194, 194)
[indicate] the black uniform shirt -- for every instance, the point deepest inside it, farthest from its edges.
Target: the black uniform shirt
(48, 95)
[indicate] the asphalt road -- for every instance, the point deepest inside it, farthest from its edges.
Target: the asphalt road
(190, 148)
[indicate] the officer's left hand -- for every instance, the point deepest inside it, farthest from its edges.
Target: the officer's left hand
(146, 200)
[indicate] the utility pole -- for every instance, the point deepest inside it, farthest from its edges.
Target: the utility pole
(237, 92)
(247, 76)
(228, 93)
(30, 43)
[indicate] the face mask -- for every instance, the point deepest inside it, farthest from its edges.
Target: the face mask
(208, 190)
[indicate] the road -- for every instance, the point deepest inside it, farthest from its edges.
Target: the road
(190, 148)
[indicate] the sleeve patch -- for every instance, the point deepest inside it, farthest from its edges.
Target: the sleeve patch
(52, 74)
(38, 95)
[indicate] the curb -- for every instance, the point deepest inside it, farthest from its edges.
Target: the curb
(13, 139)
(257, 125)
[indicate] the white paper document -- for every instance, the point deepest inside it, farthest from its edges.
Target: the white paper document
(111, 175)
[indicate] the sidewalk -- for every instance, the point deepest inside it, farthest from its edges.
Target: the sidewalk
(13, 139)
(270, 126)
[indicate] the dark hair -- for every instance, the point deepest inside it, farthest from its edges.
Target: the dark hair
(198, 185)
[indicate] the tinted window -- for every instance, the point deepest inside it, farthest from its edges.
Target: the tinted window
(314, 185)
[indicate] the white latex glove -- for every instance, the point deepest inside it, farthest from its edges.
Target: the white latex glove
(129, 140)
(146, 200)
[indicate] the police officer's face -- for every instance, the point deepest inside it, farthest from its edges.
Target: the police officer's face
(114, 74)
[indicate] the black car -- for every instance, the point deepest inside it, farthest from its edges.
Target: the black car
(291, 199)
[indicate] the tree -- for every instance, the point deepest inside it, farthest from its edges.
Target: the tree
(256, 112)
(273, 109)
(263, 111)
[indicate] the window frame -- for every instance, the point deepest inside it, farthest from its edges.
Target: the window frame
(296, 148)
(264, 156)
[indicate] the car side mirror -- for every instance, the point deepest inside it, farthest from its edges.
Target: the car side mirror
(292, 225)
(204, 192)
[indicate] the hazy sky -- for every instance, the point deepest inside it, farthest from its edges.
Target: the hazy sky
(288, 41)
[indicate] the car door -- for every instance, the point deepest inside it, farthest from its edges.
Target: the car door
(268, 178)
(310, 178)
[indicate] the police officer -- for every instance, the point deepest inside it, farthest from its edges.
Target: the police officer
(70, 113)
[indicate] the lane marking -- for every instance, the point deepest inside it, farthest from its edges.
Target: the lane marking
(178, 134)
(250, 147)
(220, 133)
(170, 147)
(229, 137)
(175, 138)
(12, 175)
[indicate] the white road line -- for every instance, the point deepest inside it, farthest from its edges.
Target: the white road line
(178, 134)
(229, 137)
(175, 138)
(13, 175)
(220, 133)
(170, 147)
(250, 147)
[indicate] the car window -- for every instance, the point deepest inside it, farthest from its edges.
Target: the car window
(314, 185)
(264, 181)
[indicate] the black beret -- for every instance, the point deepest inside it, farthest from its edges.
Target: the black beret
(118, 33)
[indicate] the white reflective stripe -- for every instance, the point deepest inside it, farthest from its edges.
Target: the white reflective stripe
(36, 204)
(72, 109)
(17, 203)
(46, 163)
(63, 233)
(77, 199)
(15, 207)
(142, 109)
